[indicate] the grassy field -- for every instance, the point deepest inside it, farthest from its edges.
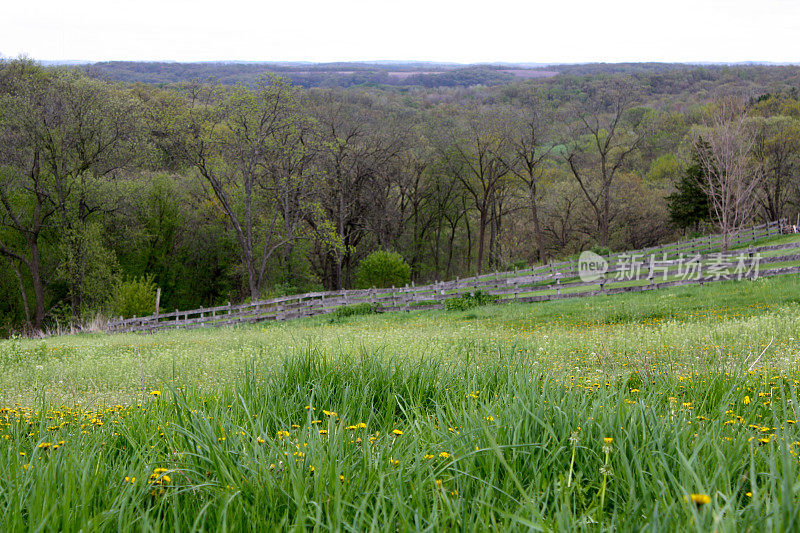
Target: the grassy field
(586, 414)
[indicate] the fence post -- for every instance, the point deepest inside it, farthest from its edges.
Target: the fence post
(158, 301)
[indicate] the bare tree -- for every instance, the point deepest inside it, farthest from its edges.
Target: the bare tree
(529, 152)
(777, 149)
(603, 141)
(476, 151)
(354, 153)
(724, 146)
(561, 217)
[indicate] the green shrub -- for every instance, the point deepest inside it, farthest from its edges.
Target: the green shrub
(519, 264)
(133, 297)
(383, 269)
(469, 301)
(345, 311)
(601, 250)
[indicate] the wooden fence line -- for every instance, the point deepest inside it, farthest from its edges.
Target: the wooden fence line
(557, 279)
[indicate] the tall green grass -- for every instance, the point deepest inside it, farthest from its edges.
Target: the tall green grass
(482, 446)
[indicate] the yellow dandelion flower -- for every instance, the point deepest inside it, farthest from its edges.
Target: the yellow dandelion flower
(699, 499)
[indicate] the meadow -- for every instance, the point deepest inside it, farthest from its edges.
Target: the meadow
(670, 410)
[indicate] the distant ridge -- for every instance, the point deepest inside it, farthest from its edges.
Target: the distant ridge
(377, 73)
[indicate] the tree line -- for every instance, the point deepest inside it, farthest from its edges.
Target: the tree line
(224, 193)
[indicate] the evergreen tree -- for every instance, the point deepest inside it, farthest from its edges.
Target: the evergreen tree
(688, 206)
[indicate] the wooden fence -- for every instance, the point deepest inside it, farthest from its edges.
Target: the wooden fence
(627, 272)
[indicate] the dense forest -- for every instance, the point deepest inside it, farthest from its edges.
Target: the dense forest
(393, 73)
(266, 185)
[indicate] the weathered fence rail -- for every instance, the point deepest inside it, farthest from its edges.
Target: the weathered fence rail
(545, 282)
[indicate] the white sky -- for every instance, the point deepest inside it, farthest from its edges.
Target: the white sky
(348, 30)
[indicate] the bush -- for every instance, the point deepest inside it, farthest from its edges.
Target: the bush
(383, 269)
(601, 250)
(519, 264)
(134, 297)
(345, 311)
(469, 301)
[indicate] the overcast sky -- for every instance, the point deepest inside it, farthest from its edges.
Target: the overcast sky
(458, 31)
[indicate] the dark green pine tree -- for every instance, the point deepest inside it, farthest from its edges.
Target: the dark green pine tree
(688, 206)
